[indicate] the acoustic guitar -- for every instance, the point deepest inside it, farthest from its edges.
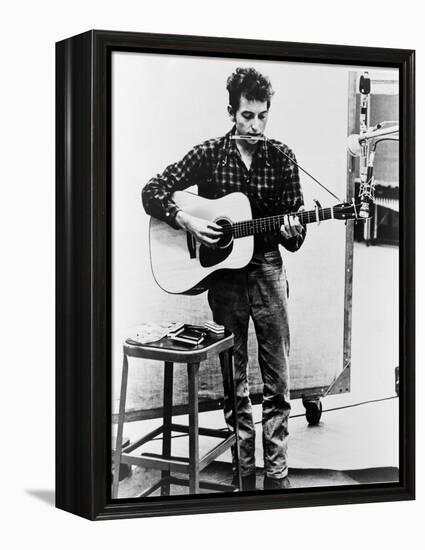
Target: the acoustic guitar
(181, 265)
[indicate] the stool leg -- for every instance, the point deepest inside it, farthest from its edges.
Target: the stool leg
(120, 428)
(168, 407)
(229, 369)
(193, 386)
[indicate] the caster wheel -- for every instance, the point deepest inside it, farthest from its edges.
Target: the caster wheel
(313, 412)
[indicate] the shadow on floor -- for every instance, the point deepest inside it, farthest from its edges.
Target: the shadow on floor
(374, 475)
(45, 495)
(220, 472)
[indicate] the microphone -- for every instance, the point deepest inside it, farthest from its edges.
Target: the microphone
(353, 145)
(364, 146)
(359, 147)
(381, 132)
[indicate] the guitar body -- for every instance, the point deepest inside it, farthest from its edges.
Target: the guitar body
(180, 265)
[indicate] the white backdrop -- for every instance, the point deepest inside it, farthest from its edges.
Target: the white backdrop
(29, 30)
(161, 107)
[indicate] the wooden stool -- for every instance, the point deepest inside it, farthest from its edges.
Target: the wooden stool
(172, 352)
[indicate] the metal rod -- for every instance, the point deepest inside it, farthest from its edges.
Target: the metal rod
(371, 134)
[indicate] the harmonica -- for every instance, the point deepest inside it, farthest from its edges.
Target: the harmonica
(248, 137)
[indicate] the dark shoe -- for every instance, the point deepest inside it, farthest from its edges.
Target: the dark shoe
(248, 482)
(274, 483)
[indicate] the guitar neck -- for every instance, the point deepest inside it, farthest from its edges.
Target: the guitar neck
(273, 223)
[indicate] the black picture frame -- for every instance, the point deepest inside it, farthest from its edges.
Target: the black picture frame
(83, 315)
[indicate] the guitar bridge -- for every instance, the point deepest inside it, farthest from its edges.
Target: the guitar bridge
(191, 245)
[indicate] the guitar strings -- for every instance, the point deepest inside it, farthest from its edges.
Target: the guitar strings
(259, 223)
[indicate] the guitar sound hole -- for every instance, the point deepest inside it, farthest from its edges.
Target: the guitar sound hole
(227, 237)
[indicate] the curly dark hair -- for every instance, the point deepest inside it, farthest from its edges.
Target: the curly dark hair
(249, 83)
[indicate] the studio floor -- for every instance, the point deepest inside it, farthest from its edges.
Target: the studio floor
(356, 440)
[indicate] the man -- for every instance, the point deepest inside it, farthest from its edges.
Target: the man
(258, 168)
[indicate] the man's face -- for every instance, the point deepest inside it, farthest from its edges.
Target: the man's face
(251, 117)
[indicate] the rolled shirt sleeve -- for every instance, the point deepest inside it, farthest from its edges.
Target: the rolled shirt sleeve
(157, 193)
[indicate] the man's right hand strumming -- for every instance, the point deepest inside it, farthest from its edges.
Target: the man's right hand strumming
(206, 232)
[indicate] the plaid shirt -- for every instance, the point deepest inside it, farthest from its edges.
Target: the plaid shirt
(271, 184)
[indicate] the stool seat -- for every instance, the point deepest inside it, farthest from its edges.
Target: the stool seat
(167, 349)
(171, 351)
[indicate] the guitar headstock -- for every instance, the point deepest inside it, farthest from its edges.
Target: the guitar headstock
(347, 210)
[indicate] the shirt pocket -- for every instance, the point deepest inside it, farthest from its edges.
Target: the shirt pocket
(269, 203)
(209, 188)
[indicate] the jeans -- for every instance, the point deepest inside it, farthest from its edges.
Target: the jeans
(258, 291)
